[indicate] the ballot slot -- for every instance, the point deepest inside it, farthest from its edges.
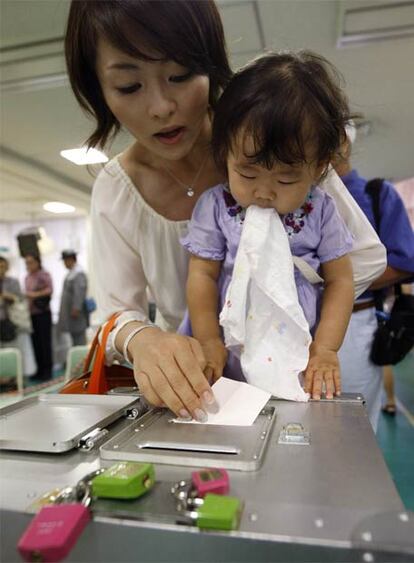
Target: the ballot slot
(182, 447)
(156, 438)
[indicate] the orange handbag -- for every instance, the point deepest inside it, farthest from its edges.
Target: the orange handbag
(101, 378)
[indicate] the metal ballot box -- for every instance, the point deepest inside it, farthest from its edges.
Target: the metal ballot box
(158, 438)
(321, 494)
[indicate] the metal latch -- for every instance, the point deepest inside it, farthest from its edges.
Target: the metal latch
(294, 433)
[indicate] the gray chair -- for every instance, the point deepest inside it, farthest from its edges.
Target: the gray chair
(74, 361)
(11, 365)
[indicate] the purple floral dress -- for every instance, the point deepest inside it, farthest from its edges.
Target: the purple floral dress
(316, 233)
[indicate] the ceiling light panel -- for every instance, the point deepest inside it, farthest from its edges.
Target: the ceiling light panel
(58, 207)
(83, 156)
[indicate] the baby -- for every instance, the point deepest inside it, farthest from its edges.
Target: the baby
(277, 126)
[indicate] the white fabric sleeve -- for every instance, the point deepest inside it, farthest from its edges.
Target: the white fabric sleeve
(120, 282)
(368, 256)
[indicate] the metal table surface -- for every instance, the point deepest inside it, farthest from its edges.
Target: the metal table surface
(333, 500)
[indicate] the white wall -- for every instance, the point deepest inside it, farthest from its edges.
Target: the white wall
(63, 233)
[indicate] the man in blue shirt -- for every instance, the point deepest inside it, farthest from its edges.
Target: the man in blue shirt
(359, 374)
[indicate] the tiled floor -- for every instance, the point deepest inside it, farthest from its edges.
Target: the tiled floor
(396, 434)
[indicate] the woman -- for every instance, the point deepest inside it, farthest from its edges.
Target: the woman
(156, 69)
(9, 293)
(13, 307)
(39, 289)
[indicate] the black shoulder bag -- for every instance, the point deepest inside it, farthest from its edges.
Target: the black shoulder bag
(394, 337)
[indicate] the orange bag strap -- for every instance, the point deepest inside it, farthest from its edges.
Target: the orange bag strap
(97, 382)
(91, 352)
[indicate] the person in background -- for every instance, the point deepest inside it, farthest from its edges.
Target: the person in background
(359, 374)
(11, 297)
(10, 292)
(39, 288)
(73, 317)
(390, 406)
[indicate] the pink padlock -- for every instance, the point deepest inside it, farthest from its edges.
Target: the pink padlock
(53, 532)
(210, 481)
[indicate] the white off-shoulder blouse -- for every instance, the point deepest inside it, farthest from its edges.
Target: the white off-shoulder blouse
(135, 249)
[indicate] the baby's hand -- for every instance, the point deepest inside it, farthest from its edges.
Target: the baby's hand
(323, 366)
(215, 354)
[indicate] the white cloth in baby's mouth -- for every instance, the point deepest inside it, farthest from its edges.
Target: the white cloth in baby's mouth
(262, 320)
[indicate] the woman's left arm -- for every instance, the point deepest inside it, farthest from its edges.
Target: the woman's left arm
(336, 310)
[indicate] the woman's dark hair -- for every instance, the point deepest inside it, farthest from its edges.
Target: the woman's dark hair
(282, 100)
(189, 32)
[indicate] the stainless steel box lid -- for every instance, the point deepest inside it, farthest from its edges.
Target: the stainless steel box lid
(56, 423)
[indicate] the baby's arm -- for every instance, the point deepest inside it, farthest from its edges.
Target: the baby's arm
(337, 303)
(202, 299)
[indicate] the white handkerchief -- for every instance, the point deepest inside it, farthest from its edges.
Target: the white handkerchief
(262, 319)
(239, 403)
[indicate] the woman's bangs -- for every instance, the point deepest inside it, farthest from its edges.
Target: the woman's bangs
(147, 36)
(131, 37)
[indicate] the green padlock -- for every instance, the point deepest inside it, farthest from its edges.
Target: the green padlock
(218, 512)
(124, 480)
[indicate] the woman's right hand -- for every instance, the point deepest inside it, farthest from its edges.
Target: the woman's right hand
(169, 369)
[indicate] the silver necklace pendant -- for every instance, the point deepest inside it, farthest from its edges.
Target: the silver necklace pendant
(190, 191)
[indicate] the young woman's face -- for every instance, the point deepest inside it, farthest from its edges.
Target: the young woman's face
(283, 188)
(161, 103)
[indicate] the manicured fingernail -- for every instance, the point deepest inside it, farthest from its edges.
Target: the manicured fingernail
(210, 402)
(184, 414)
(316, 397)
(208, 397)
(200, 415)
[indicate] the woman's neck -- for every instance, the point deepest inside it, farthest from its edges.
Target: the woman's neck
(166, 184)
(188, 164)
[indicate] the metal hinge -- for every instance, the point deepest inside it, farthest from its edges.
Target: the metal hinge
(91, 440)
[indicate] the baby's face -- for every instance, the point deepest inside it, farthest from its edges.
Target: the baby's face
(283, 188)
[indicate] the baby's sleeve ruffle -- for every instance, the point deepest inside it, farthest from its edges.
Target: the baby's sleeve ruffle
(205, 237)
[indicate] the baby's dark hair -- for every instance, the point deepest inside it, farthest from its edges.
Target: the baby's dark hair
(283, 100)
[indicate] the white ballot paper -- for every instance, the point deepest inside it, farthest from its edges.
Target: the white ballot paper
(239, 402)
